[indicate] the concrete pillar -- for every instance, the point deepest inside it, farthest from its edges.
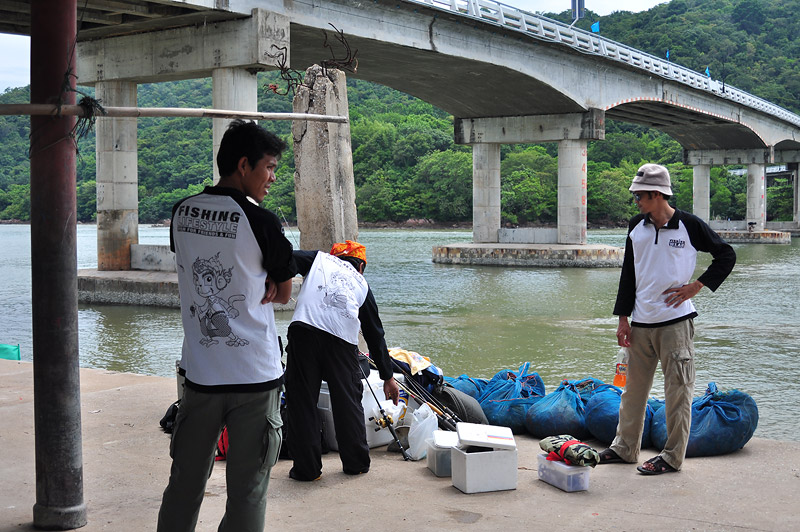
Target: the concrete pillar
(701, 191)
(572, 192)
(233, 89)
(756, 196)
(795, 191)
(117, 179)
(324, 185)
(54, 281)
(485, 192)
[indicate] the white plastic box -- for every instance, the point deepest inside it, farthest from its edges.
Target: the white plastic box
(439, 452)
(378, 438)
(562, 475)
(485, 458)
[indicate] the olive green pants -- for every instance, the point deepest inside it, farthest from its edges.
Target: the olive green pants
(673, 346)
(254, 434)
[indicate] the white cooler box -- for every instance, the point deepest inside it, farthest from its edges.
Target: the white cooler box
(485, 458)
(378, 438)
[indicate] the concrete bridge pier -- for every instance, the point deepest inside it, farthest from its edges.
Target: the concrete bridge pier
(572, 191)
(117, 178)
(235, 89)
(229, 51)
(565, 246)
(756, 196)
(572, 131)
(485, 192)
(795, 192)
(701, 191)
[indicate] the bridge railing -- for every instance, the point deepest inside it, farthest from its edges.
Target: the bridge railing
(547, 29)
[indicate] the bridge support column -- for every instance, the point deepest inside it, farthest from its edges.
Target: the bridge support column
(572, 192)
(701, 191)
(235, 89)
(756, 196)
(324, 186)
(117, 179)
(485, 192)
(795, 191)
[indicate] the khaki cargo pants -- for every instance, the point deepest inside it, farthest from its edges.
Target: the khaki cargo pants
(673, 346)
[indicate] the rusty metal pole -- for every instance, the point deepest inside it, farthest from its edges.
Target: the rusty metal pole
(54, 284)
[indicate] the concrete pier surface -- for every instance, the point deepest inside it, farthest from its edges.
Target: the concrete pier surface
(143, 287)
(126, 466)
(531, 255)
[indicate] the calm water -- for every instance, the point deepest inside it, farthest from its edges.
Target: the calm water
(479, 320)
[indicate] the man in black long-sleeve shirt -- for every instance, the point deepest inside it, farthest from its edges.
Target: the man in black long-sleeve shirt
(333, 305)
(656, 291)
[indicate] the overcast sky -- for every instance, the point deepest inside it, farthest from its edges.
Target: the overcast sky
(15, 50)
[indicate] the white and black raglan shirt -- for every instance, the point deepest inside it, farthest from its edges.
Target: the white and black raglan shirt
(658, 259)
(225, 248)
(336, 299)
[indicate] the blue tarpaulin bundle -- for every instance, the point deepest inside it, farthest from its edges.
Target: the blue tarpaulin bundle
(468, 385)
(508, 395)
(722, 422)
(563, 411)
(602, 415)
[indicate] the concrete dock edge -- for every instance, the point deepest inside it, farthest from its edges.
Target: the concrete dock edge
(126, 466)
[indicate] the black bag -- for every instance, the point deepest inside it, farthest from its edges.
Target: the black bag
(168, 421)
(462, 404)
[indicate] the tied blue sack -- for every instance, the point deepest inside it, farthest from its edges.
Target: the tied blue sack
(564, 410)
(508, 395)
(602, 415)
(722, 422)
(464, 383)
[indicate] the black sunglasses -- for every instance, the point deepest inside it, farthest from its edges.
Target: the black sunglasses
(637, 197)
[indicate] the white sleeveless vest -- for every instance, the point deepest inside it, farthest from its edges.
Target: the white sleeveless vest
(332, 293)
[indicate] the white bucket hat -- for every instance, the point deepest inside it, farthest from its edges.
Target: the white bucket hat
(652, 177)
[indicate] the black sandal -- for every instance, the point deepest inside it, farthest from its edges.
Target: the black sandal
(659, 466)
(608, 456)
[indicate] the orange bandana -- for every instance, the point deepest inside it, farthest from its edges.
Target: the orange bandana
(349, 249)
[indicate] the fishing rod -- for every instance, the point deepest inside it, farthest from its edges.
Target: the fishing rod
(386, 420)
(430, 398)
(418, 392)
(443, 419)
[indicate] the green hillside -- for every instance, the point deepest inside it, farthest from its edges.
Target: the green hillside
(405, 163)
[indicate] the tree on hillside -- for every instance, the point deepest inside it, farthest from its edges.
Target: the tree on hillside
(749, 15)
(443, 186)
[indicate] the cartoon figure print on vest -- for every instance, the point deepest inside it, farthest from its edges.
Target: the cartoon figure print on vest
(215, 313)
(337, 292)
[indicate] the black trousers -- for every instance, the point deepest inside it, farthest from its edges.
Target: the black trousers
(313, 356)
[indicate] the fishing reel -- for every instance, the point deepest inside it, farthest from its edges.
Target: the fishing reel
(382, 422)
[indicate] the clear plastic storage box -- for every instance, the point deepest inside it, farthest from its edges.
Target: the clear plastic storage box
(438, 455)
(562, 475)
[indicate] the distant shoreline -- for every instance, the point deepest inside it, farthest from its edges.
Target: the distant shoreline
(408, 224)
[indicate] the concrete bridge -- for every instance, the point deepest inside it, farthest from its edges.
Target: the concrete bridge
(505, 75)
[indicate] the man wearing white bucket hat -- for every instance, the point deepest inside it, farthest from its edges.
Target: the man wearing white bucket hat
(655, 292)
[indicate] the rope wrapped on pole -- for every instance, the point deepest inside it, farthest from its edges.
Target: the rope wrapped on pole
(137, 112)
